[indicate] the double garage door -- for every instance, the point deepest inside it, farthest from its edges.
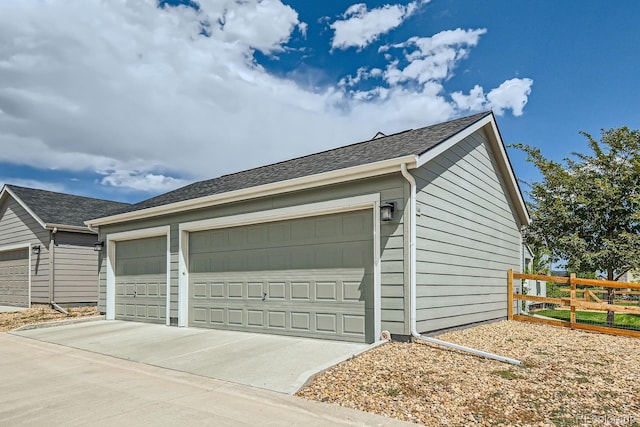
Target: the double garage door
(306, 277)
(14, 278)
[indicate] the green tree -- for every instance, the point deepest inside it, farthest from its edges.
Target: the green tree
(586, 210)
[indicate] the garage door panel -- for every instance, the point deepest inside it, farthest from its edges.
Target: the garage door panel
(301, 291)
(255, 290)
(351, 291)
(324, 255)
(142, 310)
(14, 278)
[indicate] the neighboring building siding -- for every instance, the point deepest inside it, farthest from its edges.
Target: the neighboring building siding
(467, 238)
(394, 278)
(17, 226)
(75, 268)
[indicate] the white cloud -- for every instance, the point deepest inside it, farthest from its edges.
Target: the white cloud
(264, 25)
(138, 92)
(143, 181)
(362, 26)
(432, 58)
(512, 94)
(303, 27)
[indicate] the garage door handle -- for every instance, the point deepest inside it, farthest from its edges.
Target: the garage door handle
(135, 293)
(264, 296)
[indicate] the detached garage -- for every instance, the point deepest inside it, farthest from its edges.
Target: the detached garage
(46, 251)
(411, 232)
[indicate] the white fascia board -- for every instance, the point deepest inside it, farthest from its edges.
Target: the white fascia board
(505, 168)
(7, 190)
(512, 182)
(307, 182)
(280, 214)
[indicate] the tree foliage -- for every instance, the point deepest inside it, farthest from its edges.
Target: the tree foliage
(586, 210)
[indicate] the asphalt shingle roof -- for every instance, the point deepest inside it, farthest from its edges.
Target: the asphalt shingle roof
(411, 142)
(65, 209)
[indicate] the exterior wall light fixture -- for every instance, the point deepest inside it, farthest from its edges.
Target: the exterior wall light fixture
(97, 246)
(35, 249)
(386, 211)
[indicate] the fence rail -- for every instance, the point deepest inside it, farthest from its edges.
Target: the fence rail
(578, 300)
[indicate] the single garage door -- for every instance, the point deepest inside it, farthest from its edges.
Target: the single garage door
(141, 279)
(306, 277)
(14, 278)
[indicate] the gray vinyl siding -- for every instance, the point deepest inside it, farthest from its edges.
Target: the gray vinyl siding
(394, 275)
(467, 238)
(17, 226)
(75, 269)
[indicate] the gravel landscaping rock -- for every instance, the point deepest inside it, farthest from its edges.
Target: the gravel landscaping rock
(40, 314)
(569, 378)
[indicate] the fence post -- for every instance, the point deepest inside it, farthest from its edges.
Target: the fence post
(510, 294)
(572, 283)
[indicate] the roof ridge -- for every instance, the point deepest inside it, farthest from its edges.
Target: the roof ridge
(326, 151)
(302, 157)
(403, 143)
(65, 194)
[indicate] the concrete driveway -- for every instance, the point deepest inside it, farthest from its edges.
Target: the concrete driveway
(47, 384)
(271, 362)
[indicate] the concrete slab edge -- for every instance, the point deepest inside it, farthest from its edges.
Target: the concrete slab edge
(58, 323)
(308, 376)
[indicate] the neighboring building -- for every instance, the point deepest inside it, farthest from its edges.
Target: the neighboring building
(631, 276)
(46, 250)
(532, 287)
(411, 232)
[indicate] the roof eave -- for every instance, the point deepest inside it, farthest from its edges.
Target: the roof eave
(327, 178)
(70, 228)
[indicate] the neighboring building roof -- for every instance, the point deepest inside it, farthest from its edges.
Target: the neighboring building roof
(411, 142)
(59, 209)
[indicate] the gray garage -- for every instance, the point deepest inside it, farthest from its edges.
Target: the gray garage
(46, 251)
(408, 233)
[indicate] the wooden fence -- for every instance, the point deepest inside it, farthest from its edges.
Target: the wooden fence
(578, 299)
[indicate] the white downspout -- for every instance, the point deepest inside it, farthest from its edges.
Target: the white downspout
(412, 248)
(52, 273)
(413, 281)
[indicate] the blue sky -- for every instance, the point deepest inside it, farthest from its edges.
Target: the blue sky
(126, 100)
